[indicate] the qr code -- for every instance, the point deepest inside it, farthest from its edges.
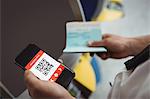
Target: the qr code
(44, 67)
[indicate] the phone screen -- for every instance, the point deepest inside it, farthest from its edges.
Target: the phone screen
(42, 65)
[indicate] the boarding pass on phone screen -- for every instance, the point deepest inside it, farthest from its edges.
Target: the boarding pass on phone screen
(45, 67)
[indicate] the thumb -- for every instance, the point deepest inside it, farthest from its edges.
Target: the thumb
(96, 43)
(30, 79)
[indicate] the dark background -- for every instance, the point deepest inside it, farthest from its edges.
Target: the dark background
(41, 22)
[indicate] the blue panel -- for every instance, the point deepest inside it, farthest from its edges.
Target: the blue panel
(96, 68)
(89, 7)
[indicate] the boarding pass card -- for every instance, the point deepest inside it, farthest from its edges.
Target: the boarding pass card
(80, 33)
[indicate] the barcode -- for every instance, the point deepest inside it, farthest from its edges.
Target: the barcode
(44, 67)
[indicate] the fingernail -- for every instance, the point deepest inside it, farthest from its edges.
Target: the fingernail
(60, 60)
(90, 42)
(103, 55)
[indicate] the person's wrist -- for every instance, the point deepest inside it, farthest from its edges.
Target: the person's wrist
(135, 46)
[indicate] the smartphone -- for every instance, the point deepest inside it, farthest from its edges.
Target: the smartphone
(44, 66)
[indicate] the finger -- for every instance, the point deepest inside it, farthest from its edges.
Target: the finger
(92, 54)
(104, 56)
(60, 60)
(96, 43)
(30, 79)
(35, 86)
(31, 82)
(106, 36)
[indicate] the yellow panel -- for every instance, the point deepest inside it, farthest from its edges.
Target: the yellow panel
(85, 73)
(116, 1)
(109, 15)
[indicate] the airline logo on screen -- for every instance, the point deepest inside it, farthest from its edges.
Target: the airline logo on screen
(45, 67)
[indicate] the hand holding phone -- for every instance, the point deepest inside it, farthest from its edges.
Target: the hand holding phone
(43, 66)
